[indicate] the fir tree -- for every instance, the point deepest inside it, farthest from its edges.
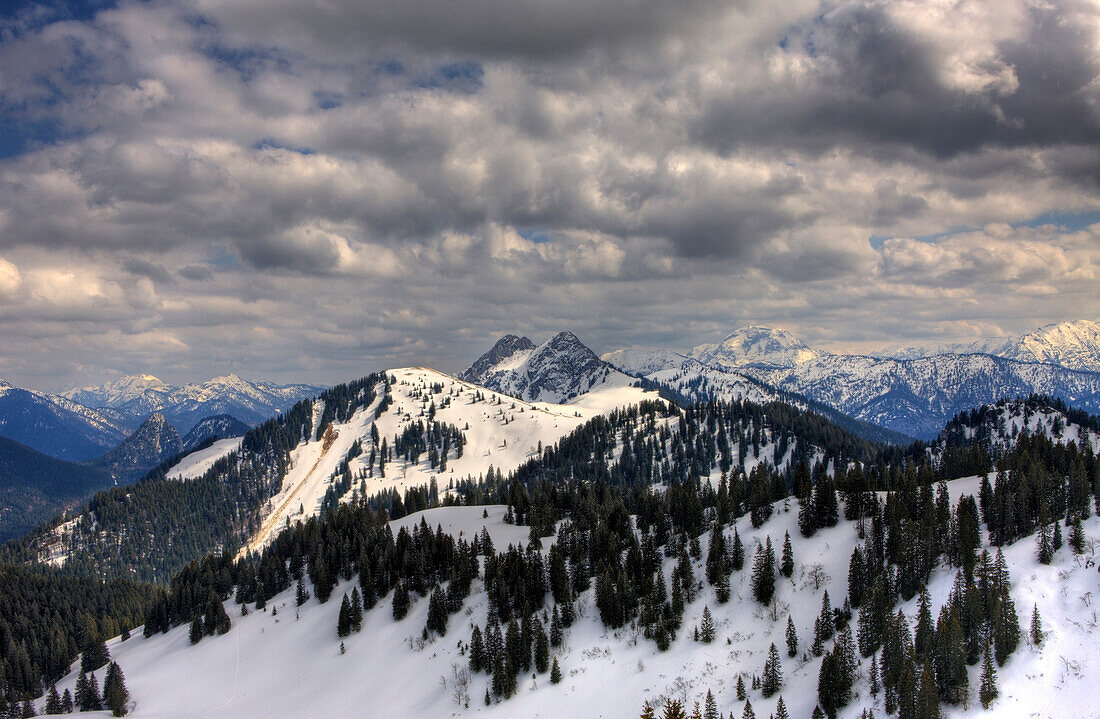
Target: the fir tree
(343, 621)
(786, 564)
(94, 655)
(400, 601)
(53, 701)
(477, 651)
(706, 627)
(87, 693)
(115, 694)
(196, 630)
(772, 678)
(1077, 537)
(301, 595)
(710, 706)
(927, 703)
(356, 614)
(792, 638)
(1036, 627)
(781, 710)
(555, 628)
(542, 650)
(748, 713)
(737, 552)
(67, 702)
(555, 672)
(1056, 540)
(437, 613)
(987, 690)
(763, 573)
(647, 711)
(740, 688)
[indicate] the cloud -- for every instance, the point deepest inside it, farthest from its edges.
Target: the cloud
(361, 184)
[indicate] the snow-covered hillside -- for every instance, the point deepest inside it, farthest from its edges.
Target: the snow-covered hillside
(997, 427)
(500, 432)
(287, 661)
(756, 346)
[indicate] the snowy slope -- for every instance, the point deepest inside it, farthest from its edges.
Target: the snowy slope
(500, 431)
(196, 463)
(998, 426)
(290, 665)
(756, 346)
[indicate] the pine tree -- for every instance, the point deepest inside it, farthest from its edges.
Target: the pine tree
(437, 613)
(928, 698)
(555, 672)
(555, 628)
(922, 640)
(400, 601)
(647, 711)
(706, 627)
(781, 710)
(301, 596)
(710, 710)
(987, 691)
(67, 703)
(792, 638)
(763, 573)
(356, 610)
(773, 673)
(477, 651)
(343, 621)
(53, 701)
(94, 655)
(786, 564)
(1044, 548)
(1036, 627)
(542, 650)
(737, 553)
(196, 630)
(87, 693)
(115, 694)
(748, 713)
(1056, 540)
(740, 688)
(1077, 537)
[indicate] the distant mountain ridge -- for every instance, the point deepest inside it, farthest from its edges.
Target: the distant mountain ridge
(1074, 345)
(139, 395)
(57, 427)
(914, 396)
(219, 426)
(154, 441)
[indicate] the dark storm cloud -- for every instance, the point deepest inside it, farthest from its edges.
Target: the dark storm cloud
(879, 83)
(144, 268)
(487, 28)
(196, 273)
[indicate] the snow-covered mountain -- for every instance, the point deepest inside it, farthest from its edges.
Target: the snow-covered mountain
(287, 660)
(154, 441)
(757, 347)
(914, 397)
(555, 371)
(138, 395)
(56, 426)
(1074, 344)
(219, 426)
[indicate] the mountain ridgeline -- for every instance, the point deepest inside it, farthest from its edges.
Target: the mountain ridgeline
(184, 519)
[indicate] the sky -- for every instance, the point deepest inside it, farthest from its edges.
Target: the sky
(308, 190)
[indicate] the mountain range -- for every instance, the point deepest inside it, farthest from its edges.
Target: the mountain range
(914, 397)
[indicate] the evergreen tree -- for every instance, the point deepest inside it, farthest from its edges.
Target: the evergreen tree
(927, 703)
(772, 678)
(477, 651)
(1056, 540)
(748, 713)
(196, 630)
(763, 573)
(542, 650)
(1044, 547)
(87, 693)
(792, 638)
(356, 614)
(706, 627)
(115, 694)
(786, 564)
(400, 601)
(922, 640)
(67, 703)
(301, 595)
(710, 710)
(437, 613)
(555, 628)
(987, 691)
(781, 710)
(1036, 627)
(94, 655)
(737, 552)
(343, 621)
(53, 701)
(555, 672)
(740, 688)
(647, 711)
(1077, 537)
